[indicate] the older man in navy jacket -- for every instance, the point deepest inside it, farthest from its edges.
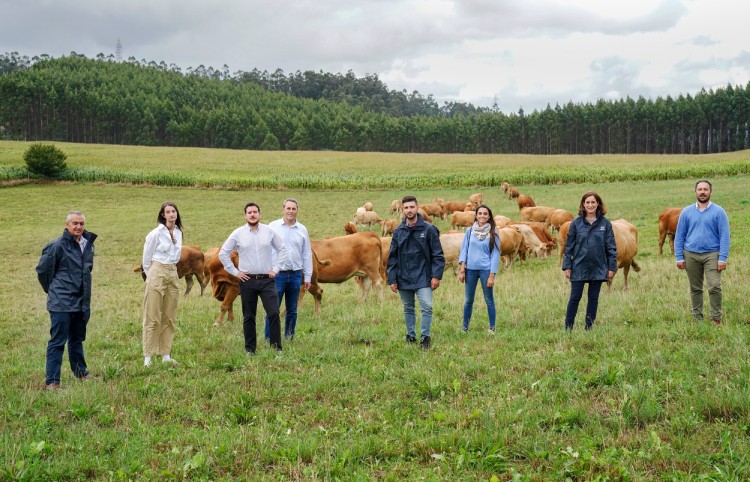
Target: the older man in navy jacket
(64, 271)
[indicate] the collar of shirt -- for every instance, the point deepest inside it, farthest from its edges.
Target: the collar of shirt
(703, 210)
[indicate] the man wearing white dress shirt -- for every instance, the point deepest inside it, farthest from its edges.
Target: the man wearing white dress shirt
(298, 265)
(255, 244)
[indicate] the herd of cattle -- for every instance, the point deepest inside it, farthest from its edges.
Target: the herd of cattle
(363, 255)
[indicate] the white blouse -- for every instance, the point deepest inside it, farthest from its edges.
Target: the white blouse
(159, 247)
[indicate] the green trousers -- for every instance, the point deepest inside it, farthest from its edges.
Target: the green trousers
(698, 266)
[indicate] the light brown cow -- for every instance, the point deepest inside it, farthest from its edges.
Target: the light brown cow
(358, 254)
(191, 264)
(626, 239)
(500, 220)
(389, 226)
(562, 238)
(476, 199)
(511, 244)
(450, 206)
(350, 227)
(395, 206)
(536, 213)
(512, 193)
(451, 244)
(505, 186)
(525, 201)
(367, 218)
(532, 240)
(226, 287)
(424, 214)
(433, 209)
(668, 226)
(367, 206)
(558, 217)
(462, 218)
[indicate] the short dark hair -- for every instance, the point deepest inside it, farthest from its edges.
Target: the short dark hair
(710, 186)
(251, 203)
(601, 208)
(409, 199)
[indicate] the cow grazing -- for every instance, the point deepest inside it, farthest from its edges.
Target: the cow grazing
(476, 199)
(511, 244)
(626, 239)
(389, 226)
(350, 227)
(562, 238)
(424, 214)
(191, 264)
(358, 254)
(668, 226)
(367, 218)
(500, 220)
(558, 217)
(433, 209)
(525, 201)
(536, 213)
(462, 218)
(395, 206)
(367, 206)
(512, 193)
(226, 287)
(451, 244)
(504, 187)
(450, 206)
(532, 240)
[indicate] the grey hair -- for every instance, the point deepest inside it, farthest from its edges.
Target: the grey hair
(290, 199)
(74, 213)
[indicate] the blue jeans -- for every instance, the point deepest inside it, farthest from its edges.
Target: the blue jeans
(287, 287)
(424, 295)
(576, 293)
(472, 277)
(70, 328)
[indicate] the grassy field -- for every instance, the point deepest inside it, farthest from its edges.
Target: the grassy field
(648, 394)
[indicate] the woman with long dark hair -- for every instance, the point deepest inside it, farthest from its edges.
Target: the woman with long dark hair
(161, 252)
(479, 260)
(590, 257)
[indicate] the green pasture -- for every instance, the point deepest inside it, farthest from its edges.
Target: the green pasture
(648, 394)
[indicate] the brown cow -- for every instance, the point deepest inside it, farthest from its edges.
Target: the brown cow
(191, 264)
(536, 213)
(451, 244)
(358, 254)
(433, 209)
(367, 206)
(450, 206)
(476, 199)
(500, 220)
(511, 244)
(512, 193)
(462, 218)
(426, 218)
(395, 206)
(668, 226)
(350, 227)
(530, 238)
(562, 238)
(389, 226)
(367, 218)
(505, 186)
(226, 287)
(558, 217)
(525, 201)
(626, 239)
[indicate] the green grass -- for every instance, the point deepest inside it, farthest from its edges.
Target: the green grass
(648, 394)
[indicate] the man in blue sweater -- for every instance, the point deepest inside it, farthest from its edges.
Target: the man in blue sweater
(701, 246)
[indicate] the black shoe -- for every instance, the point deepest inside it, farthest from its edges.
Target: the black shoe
(425, 343)
(410, 339)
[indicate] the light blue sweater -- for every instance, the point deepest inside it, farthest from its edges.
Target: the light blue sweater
(476, 254)
(702, 232)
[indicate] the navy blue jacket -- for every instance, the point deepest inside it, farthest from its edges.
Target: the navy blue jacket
(416, 256)
(65, 273)
(590, 250)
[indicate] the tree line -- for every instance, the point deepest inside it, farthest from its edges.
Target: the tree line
(78, 99)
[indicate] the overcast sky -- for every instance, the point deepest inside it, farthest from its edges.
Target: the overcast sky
(523, 53)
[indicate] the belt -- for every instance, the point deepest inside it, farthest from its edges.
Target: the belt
(289, 271)
(257, 276)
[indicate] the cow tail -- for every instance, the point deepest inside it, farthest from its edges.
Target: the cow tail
(634, 265)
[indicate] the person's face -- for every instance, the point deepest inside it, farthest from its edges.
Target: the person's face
(170, 214)
(703, 192)
(590, 205)
(290, 212)
(483, 216)
(252, 215)
(75, 226)
(410, 210)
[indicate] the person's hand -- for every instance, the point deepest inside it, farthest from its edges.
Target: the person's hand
(610, 275)
(491, 280)
(722, 266)
(461, 277)
(272, 274)
(567, 273)
(242, 276)
(394, 287)
(306, 285)
(435, 283)
(680, 265)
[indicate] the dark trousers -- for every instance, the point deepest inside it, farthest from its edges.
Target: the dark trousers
(576, 293)
(70, 328)
(250, 290)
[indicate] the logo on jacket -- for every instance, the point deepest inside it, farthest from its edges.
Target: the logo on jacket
(421, 235)
(601, 228)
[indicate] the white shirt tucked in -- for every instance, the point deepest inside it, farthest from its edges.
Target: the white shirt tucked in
(298, 250)
(160, 247)
(255, 250)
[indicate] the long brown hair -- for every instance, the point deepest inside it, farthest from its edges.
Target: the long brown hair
(163, 220)
(491, 222)
(601, 208)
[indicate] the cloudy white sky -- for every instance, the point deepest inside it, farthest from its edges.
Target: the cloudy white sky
(521, 53)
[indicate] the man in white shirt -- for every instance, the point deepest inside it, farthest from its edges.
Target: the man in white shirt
(255, 244)
(298, 264)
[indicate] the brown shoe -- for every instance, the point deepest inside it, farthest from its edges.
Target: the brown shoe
(52, 386)
(716, 322)
(88, 378)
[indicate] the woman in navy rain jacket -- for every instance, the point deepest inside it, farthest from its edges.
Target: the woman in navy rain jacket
(590, 256)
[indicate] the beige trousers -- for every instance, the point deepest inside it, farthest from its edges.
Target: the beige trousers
(160, 309)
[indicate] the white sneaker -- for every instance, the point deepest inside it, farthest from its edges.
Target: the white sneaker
(491, 331)
(147, 362)
(171, 361)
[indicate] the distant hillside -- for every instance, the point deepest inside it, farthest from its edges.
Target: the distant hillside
(77, 99)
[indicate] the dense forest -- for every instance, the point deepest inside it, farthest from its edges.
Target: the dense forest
(78, 99)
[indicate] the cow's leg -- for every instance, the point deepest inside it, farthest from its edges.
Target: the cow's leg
(625, 271)
(366, 284)
(662, 235)
(671, 242)
(188, 283)
(202, 280)
(378, 282)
